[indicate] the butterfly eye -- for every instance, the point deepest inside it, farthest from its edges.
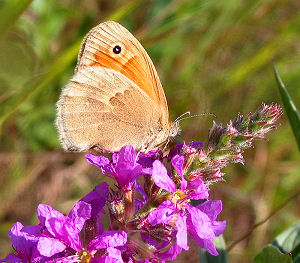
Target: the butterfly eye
(117, 49)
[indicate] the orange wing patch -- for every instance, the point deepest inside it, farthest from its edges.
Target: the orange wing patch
(133, 61)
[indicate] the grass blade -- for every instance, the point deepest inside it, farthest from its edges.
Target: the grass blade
(123, 11)
(290, 108)
(10, 12)
(55, 69)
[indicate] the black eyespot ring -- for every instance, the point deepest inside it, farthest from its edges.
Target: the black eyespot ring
(117, 50)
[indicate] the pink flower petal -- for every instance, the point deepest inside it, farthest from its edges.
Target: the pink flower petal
(162, 214)
(108, 239)
(114, 256)
(49, 246)
(64, 230)
(80, 213)
(171, 253)
(161, 178)
(200, 222)
(181, 235)
(206, 244)
(46, 211)
(200, 189)
(219, 227)
(24, 239)
(212, 208)
(97, 199)
(97, 160)
(12, 258)
(177, 162)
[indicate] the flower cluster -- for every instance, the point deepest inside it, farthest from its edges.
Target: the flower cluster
(150, 207)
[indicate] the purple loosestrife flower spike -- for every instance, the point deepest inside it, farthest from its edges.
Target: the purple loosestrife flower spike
(151, 217)
(226, 144)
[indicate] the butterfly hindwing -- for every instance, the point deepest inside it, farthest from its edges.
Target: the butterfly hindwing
(101, 107)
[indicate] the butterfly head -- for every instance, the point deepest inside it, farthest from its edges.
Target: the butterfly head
(173, 135)
(174, 130)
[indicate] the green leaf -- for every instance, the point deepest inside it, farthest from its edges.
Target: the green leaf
(10, 12)
(271, 254)
(285, 247)
(205, 257)
(289, 241)
(290, 108)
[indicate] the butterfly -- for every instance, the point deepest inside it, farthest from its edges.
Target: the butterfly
(115, 97)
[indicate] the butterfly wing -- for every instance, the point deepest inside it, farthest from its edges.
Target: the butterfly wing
(102, 108)
(133, 61)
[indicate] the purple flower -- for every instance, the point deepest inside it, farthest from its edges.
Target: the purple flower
(211, 208)
(93, 226)
(61, 231)
(188, 219)
(186, 148)
(140, 203)
(24, 240)
(97, 199)
(171, 253)
(157, 207)
(62, 234)
(147, 159)
(123, 168)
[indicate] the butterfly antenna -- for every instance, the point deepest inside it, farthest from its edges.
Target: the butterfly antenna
(180, 117)
(193, 116)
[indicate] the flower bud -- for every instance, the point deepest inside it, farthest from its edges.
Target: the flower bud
(116, 206)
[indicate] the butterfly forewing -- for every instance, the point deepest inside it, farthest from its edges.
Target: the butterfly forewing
(133, 61)
(115, 97)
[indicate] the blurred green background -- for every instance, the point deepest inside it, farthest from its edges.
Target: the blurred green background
(212, 57)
